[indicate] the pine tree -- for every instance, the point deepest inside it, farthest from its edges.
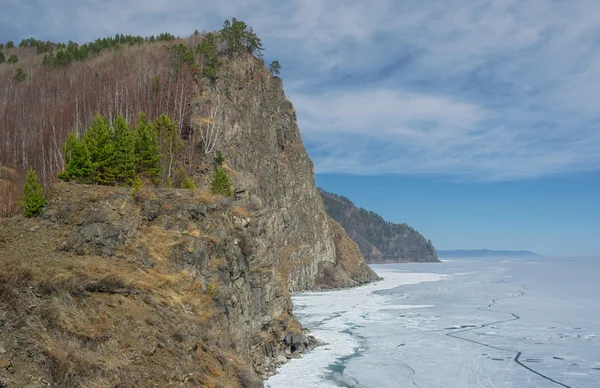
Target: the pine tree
(33, 195)
(2, 57)
(13, 59)
(125, 160)
(170, 144)
(147, 149)
(78, 163)
(102, 152)
(220, 183)
(253, 42)
(239, 37)
(20, 75)
(210, 56)
(180, 56)
(10, 44)
(275, 67)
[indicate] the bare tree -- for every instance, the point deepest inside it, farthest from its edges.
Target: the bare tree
(212, 129)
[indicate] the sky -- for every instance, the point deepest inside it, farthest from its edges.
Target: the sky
(476, 122)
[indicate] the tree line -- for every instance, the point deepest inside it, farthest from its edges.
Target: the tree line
(72, 51)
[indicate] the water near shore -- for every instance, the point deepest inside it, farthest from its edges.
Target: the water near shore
(463, 323)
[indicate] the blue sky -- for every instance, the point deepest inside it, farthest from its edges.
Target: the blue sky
(476, 121)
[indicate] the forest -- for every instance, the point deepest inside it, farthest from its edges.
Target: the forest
(54, 92)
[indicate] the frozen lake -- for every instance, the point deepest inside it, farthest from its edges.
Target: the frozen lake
(463, 323)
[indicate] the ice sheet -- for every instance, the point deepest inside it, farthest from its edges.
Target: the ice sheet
(496, 323)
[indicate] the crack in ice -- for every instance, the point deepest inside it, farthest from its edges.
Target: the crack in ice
(515, 317)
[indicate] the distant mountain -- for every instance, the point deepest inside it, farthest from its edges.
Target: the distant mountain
(468, 253)
(379, 241)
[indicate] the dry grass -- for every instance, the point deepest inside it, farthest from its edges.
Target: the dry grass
(241, 211)
(94, 321)
(205, 196)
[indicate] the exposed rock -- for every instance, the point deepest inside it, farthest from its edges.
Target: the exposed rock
(350, 269)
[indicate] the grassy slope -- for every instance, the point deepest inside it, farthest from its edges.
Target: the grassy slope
(94, 321)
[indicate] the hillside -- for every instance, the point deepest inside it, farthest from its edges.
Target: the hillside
(379, 241)
(467, 253)
(163, 283)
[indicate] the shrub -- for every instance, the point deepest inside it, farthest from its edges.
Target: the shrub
(34, 199)
(136, 185)
(188, 183)
(219, 159)
(183, 180)
(220, 183)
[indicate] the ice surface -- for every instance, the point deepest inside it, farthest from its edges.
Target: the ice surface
(492, 323)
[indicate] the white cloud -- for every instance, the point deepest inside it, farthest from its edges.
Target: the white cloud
(487, 89)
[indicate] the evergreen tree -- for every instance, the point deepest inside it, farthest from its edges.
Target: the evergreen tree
(147, 149)
(210, 56)
(156, 85)
(2, 57)
(238, 37)
(13, 59)
(125, 161)
(10, 44)
(180, 56)
(252, 42)
(20, 75)
(220, 183)
(78, 163)
(219, 159)
(275, 67)
(170, 144)
(33, 195)
(98, 140)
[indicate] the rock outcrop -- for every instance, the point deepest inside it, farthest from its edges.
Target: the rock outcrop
(379, 241)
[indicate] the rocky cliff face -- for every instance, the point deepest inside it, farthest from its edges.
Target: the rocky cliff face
(262, 143)
(378, 240)
(169, 286)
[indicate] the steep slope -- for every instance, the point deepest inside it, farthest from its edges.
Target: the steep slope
(379, 241)
(173, 286)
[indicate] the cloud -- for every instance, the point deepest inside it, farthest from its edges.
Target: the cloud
(484, 90)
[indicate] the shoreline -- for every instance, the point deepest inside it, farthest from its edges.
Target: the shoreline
(329, 316)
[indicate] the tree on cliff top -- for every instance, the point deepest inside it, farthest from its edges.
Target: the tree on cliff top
(209, 61)
(239, 37)
(274, 68)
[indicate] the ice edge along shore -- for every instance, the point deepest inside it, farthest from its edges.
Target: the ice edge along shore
(328, 315)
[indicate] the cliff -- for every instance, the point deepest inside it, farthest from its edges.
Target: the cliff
(161, 287)
(379, 241)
